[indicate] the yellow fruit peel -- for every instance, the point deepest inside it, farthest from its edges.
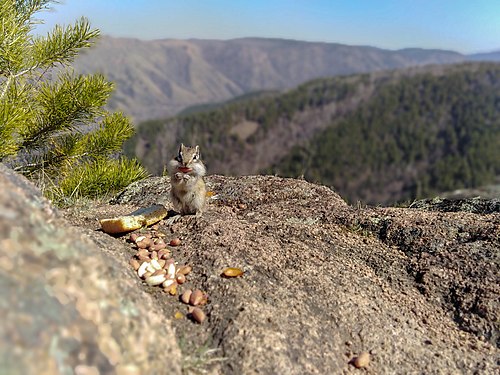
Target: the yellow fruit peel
(142, 217)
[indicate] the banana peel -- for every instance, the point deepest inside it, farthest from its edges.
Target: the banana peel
(135, 220)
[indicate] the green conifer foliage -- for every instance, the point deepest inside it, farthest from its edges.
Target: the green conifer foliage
(53, 125)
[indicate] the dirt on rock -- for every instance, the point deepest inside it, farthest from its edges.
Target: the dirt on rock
(410, 290)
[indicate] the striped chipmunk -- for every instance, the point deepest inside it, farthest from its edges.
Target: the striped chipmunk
(188, 191)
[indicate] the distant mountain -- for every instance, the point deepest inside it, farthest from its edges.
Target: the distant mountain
(489, 56)
(162, 77)
(378, 138)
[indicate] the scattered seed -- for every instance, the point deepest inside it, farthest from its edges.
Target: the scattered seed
(184, 270)
(154, 280)
(171, 270)
(361, 360)
(196, 297)
(168, 283)
(178, 315)
(139, 238)
(172, 290)
(180, 278)
(162, 262)
(142, 269)
(143, 244)
(143, 253)
(232, 272)
(166, 255)
(175, 242)
(133, 237)
(158, 246)
(159, 272)
(198, 315)
(135, 264)
(186, 296)
(143, 259)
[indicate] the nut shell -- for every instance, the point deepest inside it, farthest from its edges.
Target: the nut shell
(154, 280)
(186, 296)
(198, 315)
(175, 242)
(362, 360)
(196, 298)
(184, 270)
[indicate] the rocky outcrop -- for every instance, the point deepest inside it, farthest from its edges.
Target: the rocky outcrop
(323, 282)
(69, 302)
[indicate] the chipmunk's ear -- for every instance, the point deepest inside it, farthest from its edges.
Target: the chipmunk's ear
(181, 147)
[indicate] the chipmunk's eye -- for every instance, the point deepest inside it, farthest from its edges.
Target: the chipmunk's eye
(179, 157)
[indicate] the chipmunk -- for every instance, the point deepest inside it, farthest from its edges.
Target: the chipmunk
(188, 190)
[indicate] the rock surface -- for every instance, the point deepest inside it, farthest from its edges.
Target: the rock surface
(69, 302)
(323, 282)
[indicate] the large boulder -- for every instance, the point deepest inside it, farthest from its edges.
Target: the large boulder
(69, 303)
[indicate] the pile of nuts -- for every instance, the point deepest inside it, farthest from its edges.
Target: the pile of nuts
(195, 298)
(153, 264)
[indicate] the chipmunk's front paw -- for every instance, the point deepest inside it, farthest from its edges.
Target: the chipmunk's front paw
(172, 220)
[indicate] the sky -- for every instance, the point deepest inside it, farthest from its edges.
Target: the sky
(465, 26)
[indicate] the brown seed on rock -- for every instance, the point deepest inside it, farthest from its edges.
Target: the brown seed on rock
(139, 237)
(172, 290)
(184, 270)
(154, 255)
(143, 244)
(133, 237)
(143, 259)
(361, 360)
(162, 262)
(159, 272)
(135, 264)
(186, 296)
(196, 297)
(198, 315)
(143, 253)
(180, 278)
(158, 246)
(175, 242)
(232, 272)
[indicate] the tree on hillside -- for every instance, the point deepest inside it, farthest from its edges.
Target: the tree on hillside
(53, 127)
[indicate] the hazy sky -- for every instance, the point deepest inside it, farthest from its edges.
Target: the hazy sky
(460, 25)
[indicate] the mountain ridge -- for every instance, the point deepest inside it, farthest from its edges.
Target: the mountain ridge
(159, 78)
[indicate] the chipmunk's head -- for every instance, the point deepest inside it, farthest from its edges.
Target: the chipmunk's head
(189, 160)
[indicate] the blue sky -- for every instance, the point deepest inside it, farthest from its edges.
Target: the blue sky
(461, 25)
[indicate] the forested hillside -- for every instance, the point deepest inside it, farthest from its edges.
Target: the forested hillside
(158, 78)
(378, 138)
